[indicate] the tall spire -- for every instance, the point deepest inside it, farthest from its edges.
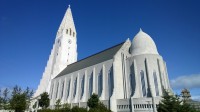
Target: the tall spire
(67, 20)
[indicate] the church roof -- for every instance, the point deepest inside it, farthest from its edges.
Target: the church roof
(91, 60)
(143, 44)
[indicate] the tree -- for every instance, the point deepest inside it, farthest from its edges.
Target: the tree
(28, 94)
(5, 99)
(44, 100)
(1, 100)
(93, 101)
(58, 104)
(66, 107)
(78, 109)
(172, 103)
(19, 98)
(95, 105)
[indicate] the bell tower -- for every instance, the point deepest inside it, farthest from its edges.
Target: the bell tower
(64, 52)
(66, 44)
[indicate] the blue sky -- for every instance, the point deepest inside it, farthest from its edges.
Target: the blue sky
(28, 29)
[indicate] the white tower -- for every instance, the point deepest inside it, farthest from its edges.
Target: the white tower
(64, 52)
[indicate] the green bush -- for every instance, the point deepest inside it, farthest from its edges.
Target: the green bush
(78, 109)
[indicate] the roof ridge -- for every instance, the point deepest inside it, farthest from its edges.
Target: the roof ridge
(98, 52)
(83, 62)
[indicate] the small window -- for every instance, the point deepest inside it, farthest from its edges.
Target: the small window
(70, 33)
(67, 31)
(73, 34)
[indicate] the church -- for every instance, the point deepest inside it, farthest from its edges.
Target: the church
(128, 77)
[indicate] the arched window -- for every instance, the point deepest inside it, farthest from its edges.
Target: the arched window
(57, 90)
(62, 89)
(100, 84)
(68, 89)
(75, 85)
(156, 83)
(143, 83)
(132, 79)
(90, 84)
(82, 85)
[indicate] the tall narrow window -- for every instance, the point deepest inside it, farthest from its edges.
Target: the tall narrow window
(100, 86)
(143, 83)
(82, 86)
(90, 84)
(52, 91)
(62, 89)
(68, 89)
(156, 83)
(110, 81)
(57, 90)
(66, 31)
(73, 34)
(132, 79)
(70, 31)
(75, 85)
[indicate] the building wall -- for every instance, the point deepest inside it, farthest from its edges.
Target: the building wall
(85, 74)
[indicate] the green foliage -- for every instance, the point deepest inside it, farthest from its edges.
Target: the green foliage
(20, 99)
(1, 101)
(95, 105)
(44, 100)
(77, 109)
(46, 110)
(4, 100)
(58, 104)
(93, 102)
(35, 104)
(66, 108)
(171, 103)
(101, 108)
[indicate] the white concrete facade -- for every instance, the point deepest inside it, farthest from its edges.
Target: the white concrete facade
(64, 52)
(129, 77)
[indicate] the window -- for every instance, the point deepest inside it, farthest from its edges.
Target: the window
(66, 31)
(52, 91)
(156, 83)
(100, 86)
(62, 89)
(57, 90)
(68, 89)
(82, 85)
(110, 81)
(70, 31)
(90, 84)
(75, 84)
(132, 82)
(73, 34)
(143, 83)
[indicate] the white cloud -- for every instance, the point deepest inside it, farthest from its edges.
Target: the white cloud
(196, 98)
(187, 81)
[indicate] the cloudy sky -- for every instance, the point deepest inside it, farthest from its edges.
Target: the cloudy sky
(28, 29)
